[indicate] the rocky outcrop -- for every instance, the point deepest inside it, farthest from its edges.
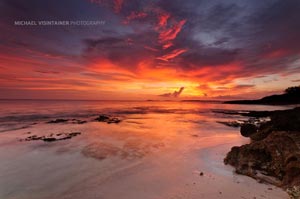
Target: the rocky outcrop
(273, 154)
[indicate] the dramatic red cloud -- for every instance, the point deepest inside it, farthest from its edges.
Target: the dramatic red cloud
(135, 15)
(168, 34)
(163, 19)
(172, 54)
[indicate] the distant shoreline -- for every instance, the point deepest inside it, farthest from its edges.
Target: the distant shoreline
(291, 96)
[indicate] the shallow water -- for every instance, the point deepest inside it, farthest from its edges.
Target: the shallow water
(157, 151)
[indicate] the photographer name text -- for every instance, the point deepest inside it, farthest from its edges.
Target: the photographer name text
(59, 23)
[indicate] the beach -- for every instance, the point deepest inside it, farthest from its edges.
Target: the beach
(156, 150)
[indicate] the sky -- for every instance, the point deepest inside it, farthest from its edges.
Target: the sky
(149, 49)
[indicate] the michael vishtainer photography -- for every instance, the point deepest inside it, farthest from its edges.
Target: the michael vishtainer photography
(150, 99)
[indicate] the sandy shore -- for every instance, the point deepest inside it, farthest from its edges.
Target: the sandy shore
(131, 160)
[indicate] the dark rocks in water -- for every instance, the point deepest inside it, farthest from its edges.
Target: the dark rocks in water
(248, 129)
(73, 121)
(102, 118)
(49, 139)
(285, 120)
(273, 155)
(52, 137)
(33, 137)
(239, 123)
(58, 121)
(108, 119)
(74, 134)
(76, 121)
(257, 114)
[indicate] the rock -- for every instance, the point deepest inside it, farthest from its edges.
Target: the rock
(58, 121)
(107, 119)
(294, 192)
(201, 174)
(49, 139)
(52, 137)
(33, 137)
(273, 156)
(277, 156)
(73, 121)
(74, 133)
(102, 118)
(76, 121)
(264, 130)
(248, 129)
(287, 120)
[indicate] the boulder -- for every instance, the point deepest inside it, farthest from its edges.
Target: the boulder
(248, 129)
(108, 119)
(278, 156)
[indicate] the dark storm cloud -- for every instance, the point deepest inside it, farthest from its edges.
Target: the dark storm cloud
(219, 33)
(126, 51)
(208, 57)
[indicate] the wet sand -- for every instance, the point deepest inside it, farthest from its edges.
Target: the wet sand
(152, 156)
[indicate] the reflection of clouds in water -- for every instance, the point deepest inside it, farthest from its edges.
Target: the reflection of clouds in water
(132, 149)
